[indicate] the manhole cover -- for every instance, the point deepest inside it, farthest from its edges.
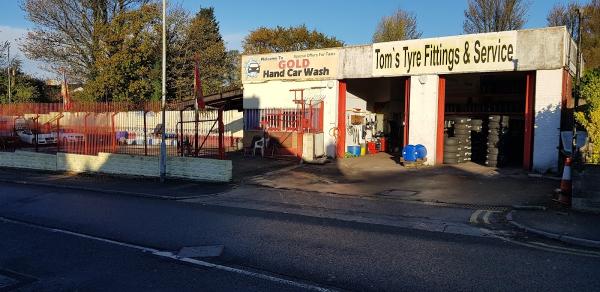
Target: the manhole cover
(398, 193)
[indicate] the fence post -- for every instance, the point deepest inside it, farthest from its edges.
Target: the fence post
(114, 133)
(196, 117)
(145, 135)
(182, 147)
(221, 134)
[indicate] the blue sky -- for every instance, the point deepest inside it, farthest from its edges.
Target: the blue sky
(351, 21)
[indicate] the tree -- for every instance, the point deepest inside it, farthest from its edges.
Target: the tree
(127, 56)
(233, 69)
(399, 26)
(24, 87)
(281, 39)
(591, 35)
(494, 15)
(562, 14)
(201, 41)
(590, 116)
(65, 32)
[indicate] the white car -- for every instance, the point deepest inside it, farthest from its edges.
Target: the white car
(28, 137)
(69, 137)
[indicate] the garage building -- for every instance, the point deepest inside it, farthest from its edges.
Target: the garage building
(495, 98)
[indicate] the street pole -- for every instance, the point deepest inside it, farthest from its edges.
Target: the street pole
(578, 80)
(163, 144)
(8, 73)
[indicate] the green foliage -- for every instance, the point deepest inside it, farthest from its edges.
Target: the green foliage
(126, 57)
(200, 40)
(399, 26)
(591, 35)
(282, 39)
(25, 88)
(590, 116)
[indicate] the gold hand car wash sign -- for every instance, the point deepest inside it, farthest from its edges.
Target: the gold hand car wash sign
(303, 65)
(460, 54)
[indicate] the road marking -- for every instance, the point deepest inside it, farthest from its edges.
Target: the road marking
(170, 255)
(474, 216)
(549, 248)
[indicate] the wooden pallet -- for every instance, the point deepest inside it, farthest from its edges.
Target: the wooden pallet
(413, 164)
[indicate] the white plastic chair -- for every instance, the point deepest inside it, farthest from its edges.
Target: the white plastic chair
(260, 144)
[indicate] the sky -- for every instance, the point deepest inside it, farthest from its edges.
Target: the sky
(351, 21)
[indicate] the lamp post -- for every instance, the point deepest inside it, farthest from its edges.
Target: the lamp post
(163, 144)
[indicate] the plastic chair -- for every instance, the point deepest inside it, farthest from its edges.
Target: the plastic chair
(260, 144)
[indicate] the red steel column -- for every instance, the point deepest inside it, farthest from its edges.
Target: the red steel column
(439, 149)
(406, 109)
(529, 120)
(341, 124)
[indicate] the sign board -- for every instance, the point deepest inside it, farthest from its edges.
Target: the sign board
(305, 65)
(457, 54)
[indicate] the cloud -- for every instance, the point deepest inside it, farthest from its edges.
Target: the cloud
(233, 41)
(16, 36)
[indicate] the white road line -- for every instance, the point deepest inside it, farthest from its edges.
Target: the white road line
(474, 216)
(170, 255)
(548, 248)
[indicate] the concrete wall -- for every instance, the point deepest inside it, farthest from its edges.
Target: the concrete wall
(423, 113)
(119, 164)
(26, 159)
(548, 92)
(356, 62)
(276, 94)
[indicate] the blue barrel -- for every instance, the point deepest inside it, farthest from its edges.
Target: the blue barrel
(354, 150)
(421, 151)
(409, 153)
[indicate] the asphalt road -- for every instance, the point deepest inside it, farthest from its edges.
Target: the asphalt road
(330, 253)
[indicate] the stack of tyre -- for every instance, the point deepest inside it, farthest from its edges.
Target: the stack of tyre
(497, 129)
(451, 150)
(462, 133)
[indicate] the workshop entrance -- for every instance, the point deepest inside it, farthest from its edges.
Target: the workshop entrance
(375, 115)
(486, 118)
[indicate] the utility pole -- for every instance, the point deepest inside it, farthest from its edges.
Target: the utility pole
(163, 144)
(578, 80)
(8, 72)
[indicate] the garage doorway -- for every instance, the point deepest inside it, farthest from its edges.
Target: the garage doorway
(486, 118)
(375, 114)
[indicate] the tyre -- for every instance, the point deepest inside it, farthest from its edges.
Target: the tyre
(458, 132)
(462, 127)
(460, 120)
(495, 118)
(476, 122)
(451, 142)
(493, 139)
(452, 148)
(492, 150)
(491, 163)
(451, 155)
(451, 161)
(493, 125)
(491, 157)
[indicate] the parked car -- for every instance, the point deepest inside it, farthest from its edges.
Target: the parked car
(29, 137)
(67, 136)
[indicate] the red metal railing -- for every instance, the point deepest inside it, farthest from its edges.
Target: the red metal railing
(309, 120)
(90, 128)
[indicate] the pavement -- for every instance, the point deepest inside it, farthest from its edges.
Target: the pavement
(565, 225)
(381, 175)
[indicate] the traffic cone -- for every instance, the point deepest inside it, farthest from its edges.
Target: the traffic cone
(566, 187)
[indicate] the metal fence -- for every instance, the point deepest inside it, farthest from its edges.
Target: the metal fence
(308, 120)
(125, 128)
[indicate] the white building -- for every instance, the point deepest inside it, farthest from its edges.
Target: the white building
(407, 89)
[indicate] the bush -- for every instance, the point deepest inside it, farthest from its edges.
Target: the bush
(589, 117)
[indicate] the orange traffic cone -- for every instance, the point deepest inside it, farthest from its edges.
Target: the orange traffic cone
(565, 184)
